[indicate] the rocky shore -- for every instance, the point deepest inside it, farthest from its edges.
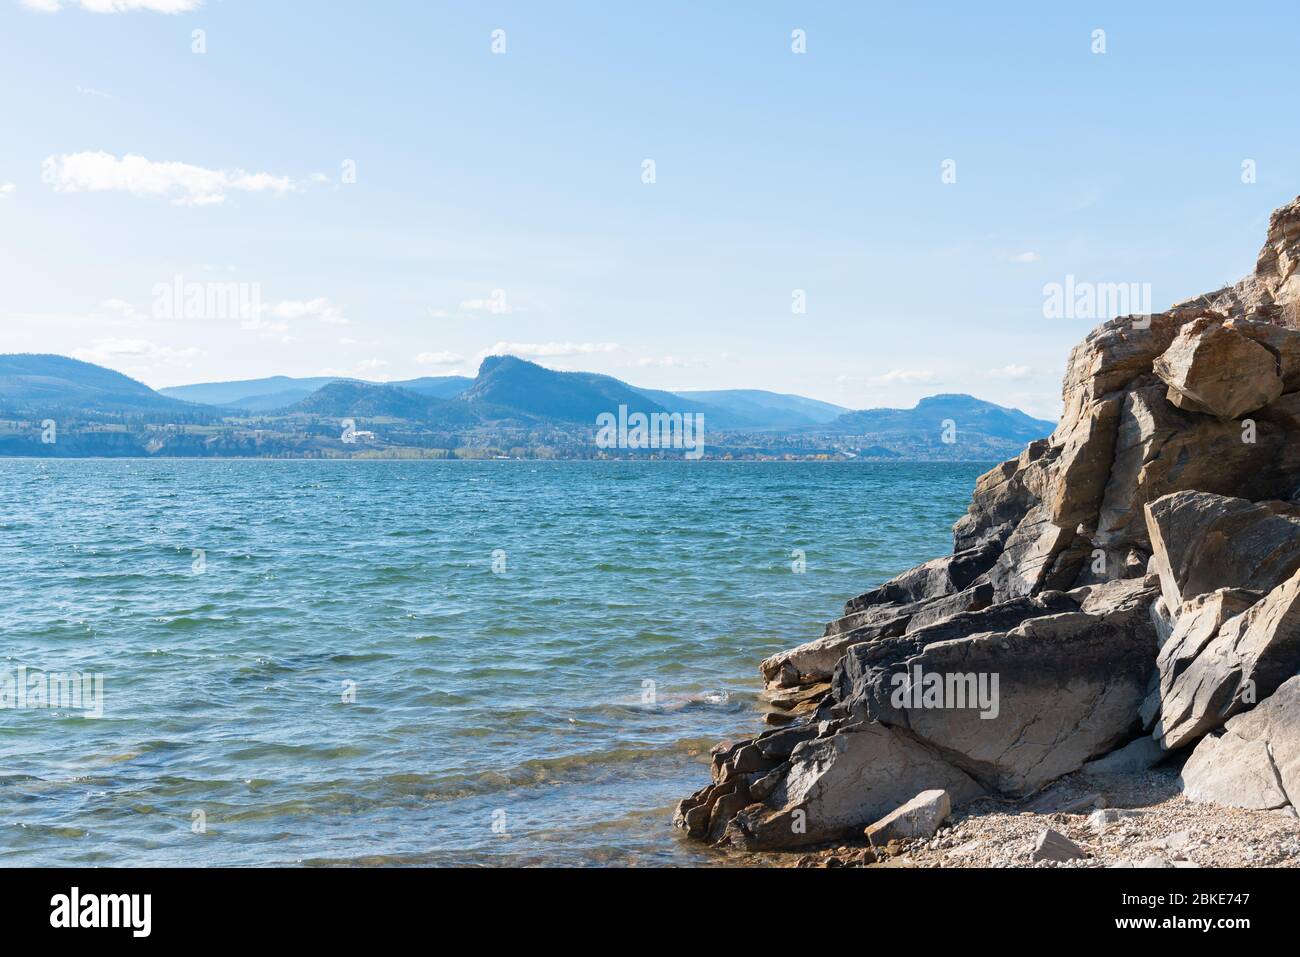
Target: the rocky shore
(1122, 604)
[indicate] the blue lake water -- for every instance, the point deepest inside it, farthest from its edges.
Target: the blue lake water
(540, 654)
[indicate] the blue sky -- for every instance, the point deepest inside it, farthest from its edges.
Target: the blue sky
(522, 172)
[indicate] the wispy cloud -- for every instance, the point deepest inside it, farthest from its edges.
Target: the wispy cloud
(549, 350)
(133, 354)
(320, 308)
(183, 183)
(114, 6)
(1014, 372)
(1030, 257)
(906, 377)
(6, 189)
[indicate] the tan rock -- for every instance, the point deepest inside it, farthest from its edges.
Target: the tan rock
(1212, 368)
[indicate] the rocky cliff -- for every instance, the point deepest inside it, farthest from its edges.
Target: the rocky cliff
(1126, 590)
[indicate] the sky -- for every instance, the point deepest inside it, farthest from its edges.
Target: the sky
(861, 203)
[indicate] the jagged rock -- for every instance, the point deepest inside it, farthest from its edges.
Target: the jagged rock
(918, 818)
(999, 502)
(1199, 622)
(1283, 343)
(1275, 282)
(933, 579)
(1161, 450)
(841, 783)
(1029, 554)
(1212, 368)
(861, 660)
(1137, 755)
(1054, 846)
(1067, 689)
(1202, 542)
(922, 595)
(974, 598)
(1255, 762)
(1252, 654)
(814, 661)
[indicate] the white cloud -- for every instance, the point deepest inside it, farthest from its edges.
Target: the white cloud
(1029, 257)
(496, 303)
(319, 308)
(114, 6)
(371, 365)
(6, 189)
(132, 353)
(439, 358)
(906, 377)
(1011, 372)
(549, 350)
(183, 183)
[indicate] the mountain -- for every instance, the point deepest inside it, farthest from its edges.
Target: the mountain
(771, 409)
(47, 383)
(440, 387)
(363, 400)
(279, 392)
(566, 396)
(969, 414)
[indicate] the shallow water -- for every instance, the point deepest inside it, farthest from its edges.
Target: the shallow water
(549, 711)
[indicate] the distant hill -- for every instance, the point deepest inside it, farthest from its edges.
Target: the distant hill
(511, 404)
(769, 410)
(361, 400)
(969, 414)
(279, 392)
(564, 396)
(47, 383)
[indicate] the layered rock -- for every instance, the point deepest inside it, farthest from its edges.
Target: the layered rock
(1138, 571)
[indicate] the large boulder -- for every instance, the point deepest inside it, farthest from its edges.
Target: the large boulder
(1201, 542)
(1249, 658)
(1212, 368)
(1161, 450)
(1198, 623)
(839, 784)
(1255, 761)
(1014, 709)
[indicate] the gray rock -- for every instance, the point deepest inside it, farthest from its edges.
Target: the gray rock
(839, 784)
(918, 818)
(1200, 621)
(1203, 542)
(1255, 762)
(1249, 658)
(1104, 818)
(1054, 846)
(1068, 688)
(1135, 756)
